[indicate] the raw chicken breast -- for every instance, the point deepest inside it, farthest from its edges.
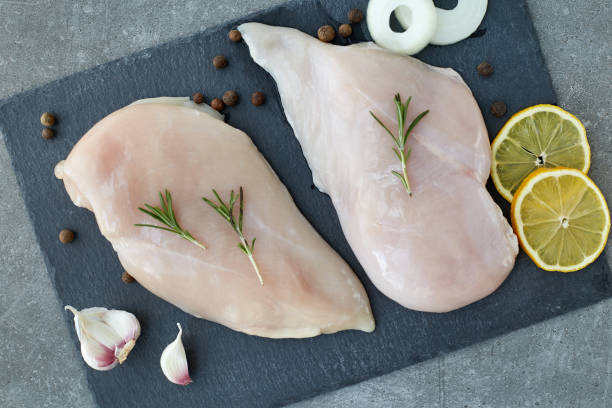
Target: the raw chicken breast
(446, 246)
(140, 150)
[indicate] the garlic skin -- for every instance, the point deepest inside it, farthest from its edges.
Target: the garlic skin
(106, 336)
(173, 361)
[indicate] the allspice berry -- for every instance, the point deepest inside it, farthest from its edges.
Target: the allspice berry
(345, 30)
(499, 109)
(258, 98)
(355, 16)
(326, 33)
(485, 69)
(47, 119)
(217, 104)
(235, 36)
(220, 62)
(48, 133)
(127, 278)
(230, 98)
(198, 98)
(66, 236)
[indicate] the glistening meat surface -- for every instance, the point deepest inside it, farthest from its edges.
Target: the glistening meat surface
(140, 150)
(446, 246)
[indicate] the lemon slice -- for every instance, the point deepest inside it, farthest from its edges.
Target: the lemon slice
(542, 136)
(561, 219)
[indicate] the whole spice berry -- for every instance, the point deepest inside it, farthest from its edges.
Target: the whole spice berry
(66, 236)
(217, 104)
(198, 98)
(258, 98)
(499, 109)
(47, 119)
(326, 33)
(230, 98)
(355, 16)
(235, 36)
(127, 278)
(220, 62)
(47, 133)
(345, 30)
(485, 69)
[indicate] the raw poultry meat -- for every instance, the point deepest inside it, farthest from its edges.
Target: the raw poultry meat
(446, 246)
(142, 149)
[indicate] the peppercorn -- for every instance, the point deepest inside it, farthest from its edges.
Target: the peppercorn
(47, 133)
(47, 119)
(326, 33)
(220, 62)
(197, 98)
(499, 109)
(355, 16)
(258, 98)
(127, 278)
(345, 30)
(235, 36)
(66, 236)
(217, 104)
(230, 98)
(485, 69)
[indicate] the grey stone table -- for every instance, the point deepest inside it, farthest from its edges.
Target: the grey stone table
(565, 362)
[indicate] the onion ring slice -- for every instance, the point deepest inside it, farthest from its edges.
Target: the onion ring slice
(453, 25)
(415, 38)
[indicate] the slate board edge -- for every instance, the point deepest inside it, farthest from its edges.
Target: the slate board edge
(21, 180)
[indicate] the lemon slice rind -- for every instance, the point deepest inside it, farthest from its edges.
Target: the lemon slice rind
(518, 117)
(517, 223)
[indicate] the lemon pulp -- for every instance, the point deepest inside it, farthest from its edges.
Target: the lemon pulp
(561, 219)
(542, 136)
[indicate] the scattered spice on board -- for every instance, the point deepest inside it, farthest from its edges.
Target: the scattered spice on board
(235, 36)
(66, 236)
(326, 33)
(355, 16)
(485, 69)
(499, 109)
(345, 30)
(47, 119)
(198, 98)
(127, 278)
(220, 62)
(258, 98)
(230, 98)
(48, 133)
(217, 104)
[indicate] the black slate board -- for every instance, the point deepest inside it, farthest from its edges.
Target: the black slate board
(229, 368)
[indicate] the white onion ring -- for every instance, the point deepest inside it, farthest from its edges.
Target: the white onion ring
(453, 25)
(415, 38)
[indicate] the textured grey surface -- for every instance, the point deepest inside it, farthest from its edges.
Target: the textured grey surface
(565, 362)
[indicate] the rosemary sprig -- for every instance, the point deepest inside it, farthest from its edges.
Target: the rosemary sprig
(402, 136)
(227, 212)
(165, 215)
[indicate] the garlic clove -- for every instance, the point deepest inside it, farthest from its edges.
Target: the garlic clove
(173, 361)
(106, 336)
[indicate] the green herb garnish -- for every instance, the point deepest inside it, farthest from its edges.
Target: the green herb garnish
(165, 215)
(227, 212)
(402, 136)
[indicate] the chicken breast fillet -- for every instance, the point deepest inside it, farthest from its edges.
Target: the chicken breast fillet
(131, 155)
(446, 246)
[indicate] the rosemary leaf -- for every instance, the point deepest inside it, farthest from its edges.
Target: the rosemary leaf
(227, 212)
(401, 150)
(165, 215)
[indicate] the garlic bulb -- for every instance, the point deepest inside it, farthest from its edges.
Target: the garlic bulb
(173, 361)
(106, 336)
